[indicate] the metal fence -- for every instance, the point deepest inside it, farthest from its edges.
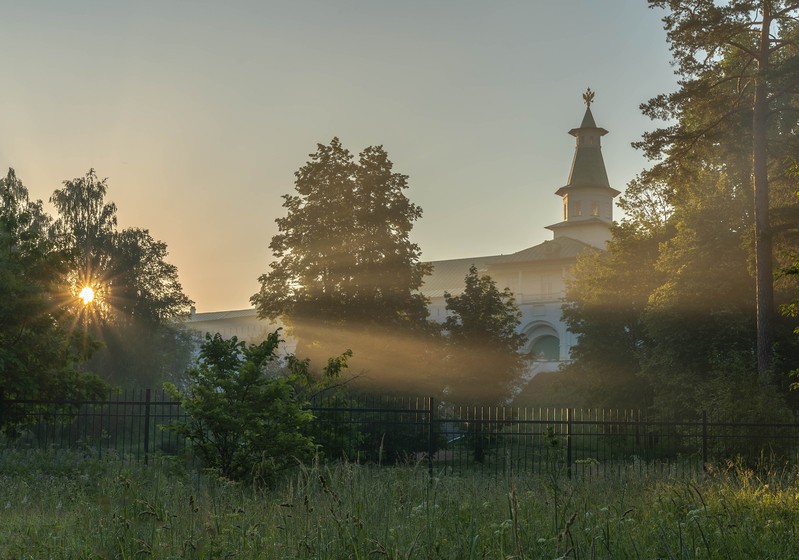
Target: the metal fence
(445, 438)
(129, 424)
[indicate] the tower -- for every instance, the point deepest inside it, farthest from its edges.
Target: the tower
(588, 196)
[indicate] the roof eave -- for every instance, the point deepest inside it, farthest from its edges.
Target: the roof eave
(566, 188)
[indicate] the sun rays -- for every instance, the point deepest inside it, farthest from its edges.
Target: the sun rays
(87, 295)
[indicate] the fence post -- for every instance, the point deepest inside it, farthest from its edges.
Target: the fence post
(569, 442)
(704, 441)
(430, 439)
(146, 425)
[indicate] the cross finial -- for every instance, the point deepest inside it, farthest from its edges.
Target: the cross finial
(588, 97)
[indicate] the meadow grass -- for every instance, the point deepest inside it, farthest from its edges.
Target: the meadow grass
(66, 506)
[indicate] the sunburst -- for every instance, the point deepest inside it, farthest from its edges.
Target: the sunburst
(87, 295)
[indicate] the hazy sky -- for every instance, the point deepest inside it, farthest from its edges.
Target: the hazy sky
(199, 113)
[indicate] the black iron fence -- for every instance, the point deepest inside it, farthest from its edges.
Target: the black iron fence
(129, 424)
(445, 438)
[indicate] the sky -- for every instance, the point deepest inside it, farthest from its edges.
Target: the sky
(199, 112)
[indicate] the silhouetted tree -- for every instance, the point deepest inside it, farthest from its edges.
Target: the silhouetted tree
(606, 296)
(738, 62)
(672, 305)
(481, 340)
(40, 345)
(137, 292)
(345, 272)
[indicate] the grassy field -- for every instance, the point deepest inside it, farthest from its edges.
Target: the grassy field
(64, 506)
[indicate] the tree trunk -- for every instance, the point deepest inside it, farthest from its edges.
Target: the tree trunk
(763, 252)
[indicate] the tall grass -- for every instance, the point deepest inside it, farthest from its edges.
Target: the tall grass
(65, 506)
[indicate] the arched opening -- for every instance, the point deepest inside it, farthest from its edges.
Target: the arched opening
(543, 343)
(546, 348)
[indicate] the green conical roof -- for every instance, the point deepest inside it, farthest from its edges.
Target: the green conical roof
(588, 166)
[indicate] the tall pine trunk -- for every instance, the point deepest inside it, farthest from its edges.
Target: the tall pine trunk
(763, 252)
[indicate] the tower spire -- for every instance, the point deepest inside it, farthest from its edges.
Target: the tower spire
(587, 196)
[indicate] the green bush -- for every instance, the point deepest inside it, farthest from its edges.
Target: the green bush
(245, 422)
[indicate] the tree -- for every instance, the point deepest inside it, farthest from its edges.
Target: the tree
(481, 340)
(146, 287)
(606, 296)
(85, 228)
(40, 348)
(671, 311)
(791, 308)
(243, 423)
(345, 269)
(138, 294)
(737, 60)
(700, 320)
(666, 316)
(247, 413)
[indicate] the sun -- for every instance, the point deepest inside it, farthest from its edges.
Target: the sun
(87, 295)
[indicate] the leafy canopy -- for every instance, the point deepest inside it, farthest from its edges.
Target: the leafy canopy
(41, 345)
(683, 300)
(346, 274)
(138, 294)
(482, 343)
(738, 61)
(343, 253)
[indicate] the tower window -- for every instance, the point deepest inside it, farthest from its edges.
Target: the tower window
(577, 208)
(594, 208)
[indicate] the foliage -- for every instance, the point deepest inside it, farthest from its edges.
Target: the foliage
(136, 354)
(345, 269)
(243, 423)
(246, 422)
(605, 300)
(482, 345)
(791, 308)
(138, 294)
(41, 345)
(669, 308)
(85, 227)
(738, 66)
(678, 303)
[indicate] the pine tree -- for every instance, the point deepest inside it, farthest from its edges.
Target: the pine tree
(738, 62)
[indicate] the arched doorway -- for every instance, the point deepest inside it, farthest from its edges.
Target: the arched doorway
(546, 348)
(543, 343)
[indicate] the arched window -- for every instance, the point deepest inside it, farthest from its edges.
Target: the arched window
(546, 348)
(543, 343)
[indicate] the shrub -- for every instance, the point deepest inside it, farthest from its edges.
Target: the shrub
(245, 422)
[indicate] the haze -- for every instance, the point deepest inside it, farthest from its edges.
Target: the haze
(200, 113)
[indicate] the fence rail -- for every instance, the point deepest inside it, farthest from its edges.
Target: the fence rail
(388, 430)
